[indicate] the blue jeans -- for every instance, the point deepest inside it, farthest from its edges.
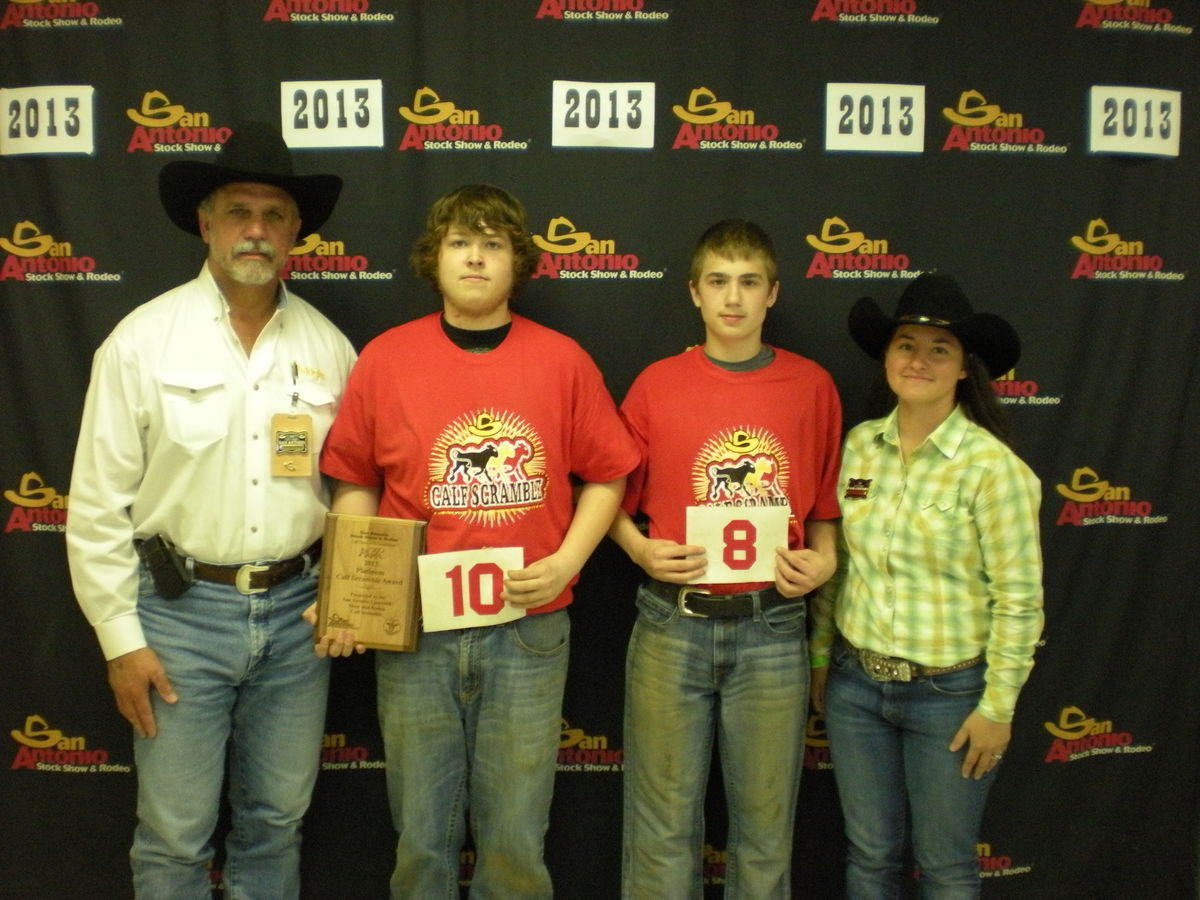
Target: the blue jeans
(471, 723)
(249, 686)
(889, 744)
(744, 680)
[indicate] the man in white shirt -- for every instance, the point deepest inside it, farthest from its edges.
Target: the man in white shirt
(197, 508)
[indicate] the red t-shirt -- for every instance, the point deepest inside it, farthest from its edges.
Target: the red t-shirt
(481, 446)
(710, 436)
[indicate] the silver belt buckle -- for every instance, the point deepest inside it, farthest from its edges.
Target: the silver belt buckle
(244, 574)
(681, 601)
(885, 668)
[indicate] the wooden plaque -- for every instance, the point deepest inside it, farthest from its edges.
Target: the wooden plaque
(369, 580)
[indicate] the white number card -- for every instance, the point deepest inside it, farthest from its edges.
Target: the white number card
(462, 589)
(740, 540)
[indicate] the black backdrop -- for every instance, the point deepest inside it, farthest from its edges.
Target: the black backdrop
(1042, 150)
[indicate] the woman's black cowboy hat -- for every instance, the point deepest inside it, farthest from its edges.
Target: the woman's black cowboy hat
(936, 299)
(256, 152)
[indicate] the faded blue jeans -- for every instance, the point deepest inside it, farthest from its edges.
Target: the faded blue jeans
(471, 723)
(249, 686)
(743, 681)
(889, 744)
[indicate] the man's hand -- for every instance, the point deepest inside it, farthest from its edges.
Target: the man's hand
(985, 741)
(335, 643)
(668, 561)
(799, 571)
(131, 677)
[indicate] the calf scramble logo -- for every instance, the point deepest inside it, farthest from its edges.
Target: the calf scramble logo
(34, 256)
(842, 253)
(742, 467)
(161, 126)
(1105, 255)
(1129, 15)
(570, 253)
(712, 124)
(437, 124)
(979, 126)
(45, 749)
(317, 259)
(1079, 736)
(1091, 500)
(37, 14)
(872, 12)
(488, 466)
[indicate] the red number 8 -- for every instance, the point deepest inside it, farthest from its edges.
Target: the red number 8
(740, 552)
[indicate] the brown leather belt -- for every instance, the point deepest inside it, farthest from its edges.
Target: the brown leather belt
(254, 579)
(891, 668)
(699, 603)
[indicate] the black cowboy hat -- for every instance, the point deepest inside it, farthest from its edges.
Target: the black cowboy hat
(935, 299)
(256, 153)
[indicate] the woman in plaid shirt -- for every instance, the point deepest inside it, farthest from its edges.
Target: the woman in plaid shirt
(923, 639)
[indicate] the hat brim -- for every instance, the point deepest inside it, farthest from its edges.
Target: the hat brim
(183, 184)
(988, 336)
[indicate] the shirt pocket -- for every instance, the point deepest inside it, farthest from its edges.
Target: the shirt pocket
(316, 401)
(195, 407)
(942, 520)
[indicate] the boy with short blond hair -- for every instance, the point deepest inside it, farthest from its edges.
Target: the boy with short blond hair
(732, 424)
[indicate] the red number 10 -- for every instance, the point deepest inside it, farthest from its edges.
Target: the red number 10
(740, 552)
(475, 576)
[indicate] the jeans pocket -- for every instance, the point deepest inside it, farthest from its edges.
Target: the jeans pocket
(840, 658)
(963, 683)
(543, 634)
(653, 609)
(785, 620)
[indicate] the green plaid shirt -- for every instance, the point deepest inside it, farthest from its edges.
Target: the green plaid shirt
(939, 559)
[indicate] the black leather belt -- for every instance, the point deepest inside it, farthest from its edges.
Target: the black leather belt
(254, 579)
(700, 603)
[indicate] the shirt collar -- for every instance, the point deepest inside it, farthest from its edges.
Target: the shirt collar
(947, 437)
(220, 304)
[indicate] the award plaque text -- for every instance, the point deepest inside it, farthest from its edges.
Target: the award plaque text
(369, 580)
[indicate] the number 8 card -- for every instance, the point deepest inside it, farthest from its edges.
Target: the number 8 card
(740, 540)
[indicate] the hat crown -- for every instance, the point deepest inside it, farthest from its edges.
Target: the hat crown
(257, 147)
(933, 297)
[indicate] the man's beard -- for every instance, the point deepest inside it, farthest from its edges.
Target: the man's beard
(252, 272)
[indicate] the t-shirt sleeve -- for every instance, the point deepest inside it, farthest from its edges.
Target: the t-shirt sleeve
(349, 450)
(829, 406)
(601, 447)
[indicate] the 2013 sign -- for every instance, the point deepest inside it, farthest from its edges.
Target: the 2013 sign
(603, 114)
(332, 113)
(48, 119)
(881, 118)
(1143, 121)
